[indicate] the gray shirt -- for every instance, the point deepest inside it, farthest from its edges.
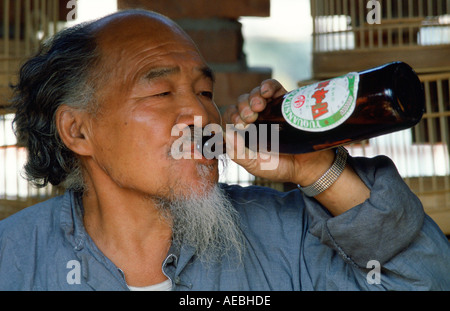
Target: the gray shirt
(293, 243)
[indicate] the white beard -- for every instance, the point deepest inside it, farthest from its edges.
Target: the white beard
(204, 219)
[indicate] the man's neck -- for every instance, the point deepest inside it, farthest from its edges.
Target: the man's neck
(129, 230)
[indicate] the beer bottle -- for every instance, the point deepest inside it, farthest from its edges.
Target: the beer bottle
(350, 108)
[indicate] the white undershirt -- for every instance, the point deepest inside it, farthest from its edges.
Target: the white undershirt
(163, 286)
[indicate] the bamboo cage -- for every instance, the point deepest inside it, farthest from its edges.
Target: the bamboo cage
(342, 24)
(24, 24)
(417, 31)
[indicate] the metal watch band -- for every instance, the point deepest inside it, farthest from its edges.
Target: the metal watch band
(330, 176)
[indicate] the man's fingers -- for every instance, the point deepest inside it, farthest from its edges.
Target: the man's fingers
(246, 114)
(250, 104)
(271, 88)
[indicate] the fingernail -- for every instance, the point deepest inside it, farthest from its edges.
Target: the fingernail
(254, 101)
(264, 89)
(247, 113)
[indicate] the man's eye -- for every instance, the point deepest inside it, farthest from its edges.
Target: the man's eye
(207, 94)
(162, 94)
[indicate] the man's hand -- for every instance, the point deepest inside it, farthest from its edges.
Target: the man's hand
(287, 167)
(302, 169)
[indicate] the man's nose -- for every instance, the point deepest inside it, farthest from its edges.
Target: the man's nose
(192, 111)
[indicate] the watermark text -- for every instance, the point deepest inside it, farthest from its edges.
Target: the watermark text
(374, 14)
(374, 275)
(71, 15)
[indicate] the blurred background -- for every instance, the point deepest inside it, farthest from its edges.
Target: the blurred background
(246, 41)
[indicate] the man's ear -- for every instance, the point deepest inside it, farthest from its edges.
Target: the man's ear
(72, 127)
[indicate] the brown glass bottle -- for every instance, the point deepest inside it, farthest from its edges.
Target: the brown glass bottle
(389, 98)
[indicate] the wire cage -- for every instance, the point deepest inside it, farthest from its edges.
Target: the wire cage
(24, 24)
(352, 24)
(346, 34)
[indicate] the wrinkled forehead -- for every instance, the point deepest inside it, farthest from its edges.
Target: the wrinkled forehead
(131, 43)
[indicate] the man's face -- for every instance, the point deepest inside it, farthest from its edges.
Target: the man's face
(155, 80)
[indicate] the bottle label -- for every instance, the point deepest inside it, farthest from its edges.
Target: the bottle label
(322, 106)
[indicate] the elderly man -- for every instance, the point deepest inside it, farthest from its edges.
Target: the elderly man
(96, 108)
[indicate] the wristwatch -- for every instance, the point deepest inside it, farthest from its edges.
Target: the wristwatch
(330, 176)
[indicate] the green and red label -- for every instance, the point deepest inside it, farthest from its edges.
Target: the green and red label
(322, 106)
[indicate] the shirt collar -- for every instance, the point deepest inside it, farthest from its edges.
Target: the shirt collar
(72, 219)
(93, 261)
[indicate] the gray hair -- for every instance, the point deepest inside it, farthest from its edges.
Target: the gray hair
(60, 73)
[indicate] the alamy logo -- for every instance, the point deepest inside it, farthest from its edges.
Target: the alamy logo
(72, 4)
(374, 275)
(74, 275)
(374, 15)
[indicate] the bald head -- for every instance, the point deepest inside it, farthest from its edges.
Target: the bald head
(128, 24)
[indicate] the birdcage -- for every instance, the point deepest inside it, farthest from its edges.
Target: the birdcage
(25, 23)
(353, 34)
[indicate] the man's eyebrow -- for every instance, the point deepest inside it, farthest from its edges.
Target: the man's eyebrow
(161, 72)
(208, 73)
(156, 73)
